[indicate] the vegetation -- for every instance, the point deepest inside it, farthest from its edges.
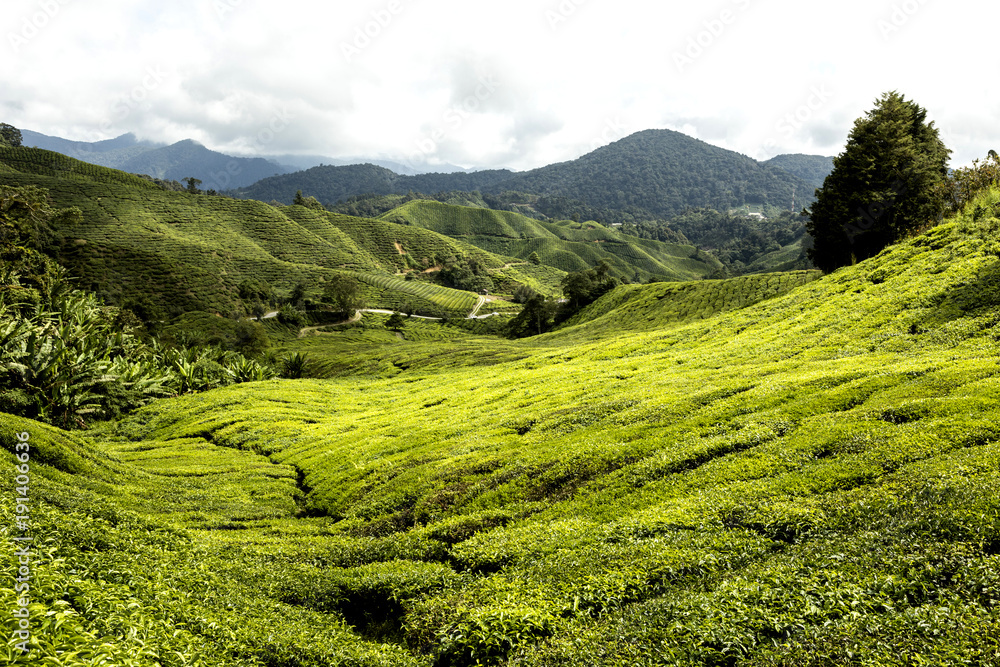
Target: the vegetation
(743, 244)
(813, 169)
(664, 173)
(809, 479)
(887, 184)
(180, 252)
(330, 184)
(564, 244)
(10, 136)
(648, 176)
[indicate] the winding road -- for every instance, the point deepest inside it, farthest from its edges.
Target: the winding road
(305, 331)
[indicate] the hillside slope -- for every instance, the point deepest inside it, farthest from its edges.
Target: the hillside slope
(190, 252)
(570, 246)
(810, 480)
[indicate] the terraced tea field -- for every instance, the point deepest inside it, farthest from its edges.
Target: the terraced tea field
(776, 470)
(191, 252)
(567, 245)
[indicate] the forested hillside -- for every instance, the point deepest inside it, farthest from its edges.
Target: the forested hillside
(812, 169)
(654, 175)
(330, 184)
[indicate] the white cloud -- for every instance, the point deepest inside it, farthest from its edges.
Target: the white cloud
(520, 84)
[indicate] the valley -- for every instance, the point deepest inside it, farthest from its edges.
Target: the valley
(775, 468)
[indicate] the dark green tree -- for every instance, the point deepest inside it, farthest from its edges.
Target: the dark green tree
(395, 322)
(888, 183)
(192, 184)
(534, 258)
(344, 294)
(10, 135)
(251, 338)
(534, 319)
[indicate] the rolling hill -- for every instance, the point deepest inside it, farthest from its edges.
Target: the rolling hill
(567, 245)
(190, 252)
(763, 471)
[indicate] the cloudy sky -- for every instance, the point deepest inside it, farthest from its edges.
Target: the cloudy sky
(519, 83)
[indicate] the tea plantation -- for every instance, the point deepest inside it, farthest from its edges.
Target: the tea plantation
(774, 470)
(570, 246)
(190, 252)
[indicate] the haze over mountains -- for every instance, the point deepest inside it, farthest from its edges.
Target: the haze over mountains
(188, 158)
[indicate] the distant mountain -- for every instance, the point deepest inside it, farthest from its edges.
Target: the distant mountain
(812, 169)
(664, 172)
(329, 184)
(301, 162)
(108, 153)
(654, 174)
(217, 171)
(183, 159)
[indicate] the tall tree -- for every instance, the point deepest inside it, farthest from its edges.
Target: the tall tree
(887, 183)
(9, 135)
(192, 184)
(344, 294)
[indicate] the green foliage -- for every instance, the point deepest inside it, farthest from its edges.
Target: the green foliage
(662, 172)
(344, 294)
(10, 136)
(565, 245)
(886, 184)
(967, 183)
(186, 253)
(395, 322)
(813, 169)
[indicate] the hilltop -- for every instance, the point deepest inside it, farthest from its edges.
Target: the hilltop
(654, 174)
(769, 470)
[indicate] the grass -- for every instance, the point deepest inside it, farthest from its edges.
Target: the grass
(775, 470)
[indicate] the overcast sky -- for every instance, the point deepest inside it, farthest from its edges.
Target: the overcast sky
(519, 83)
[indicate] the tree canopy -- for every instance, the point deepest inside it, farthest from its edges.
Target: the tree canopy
(888, 182)
(10, 135)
